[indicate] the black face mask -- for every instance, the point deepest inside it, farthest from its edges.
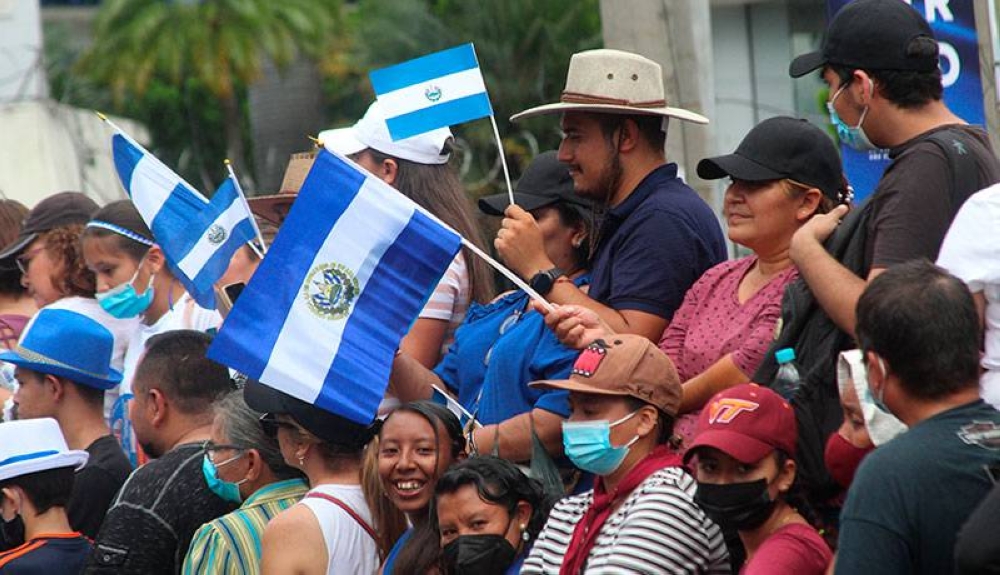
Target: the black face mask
(478, 555)
(739, 506)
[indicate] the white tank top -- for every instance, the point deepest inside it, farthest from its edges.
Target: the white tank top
(350, 549)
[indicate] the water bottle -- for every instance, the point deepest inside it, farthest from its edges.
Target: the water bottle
(787, 380)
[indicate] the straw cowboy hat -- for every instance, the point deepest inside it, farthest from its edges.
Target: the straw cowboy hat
(613, 82)
(274, 208)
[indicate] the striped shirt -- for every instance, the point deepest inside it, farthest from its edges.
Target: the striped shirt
(657, 529)
(231, 544)
(450, 299)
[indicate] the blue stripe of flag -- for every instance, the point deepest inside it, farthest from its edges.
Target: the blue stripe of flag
(126, 158)
(325, 195)
(422, 69)
(440, 116)
(383, 313)
(174, 221)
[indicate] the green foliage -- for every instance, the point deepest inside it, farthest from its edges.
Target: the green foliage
(185, 64)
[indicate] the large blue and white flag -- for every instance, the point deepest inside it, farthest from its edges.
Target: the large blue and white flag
(197, 236)
(433, 91)
(351, 268)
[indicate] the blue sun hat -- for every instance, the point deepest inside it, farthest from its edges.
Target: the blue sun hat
(34, 445)
(67, 344)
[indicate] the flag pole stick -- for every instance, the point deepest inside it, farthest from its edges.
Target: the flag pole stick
(239, 191)
(508, 274)
(503, 160)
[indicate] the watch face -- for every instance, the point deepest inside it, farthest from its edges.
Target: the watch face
(542, 283)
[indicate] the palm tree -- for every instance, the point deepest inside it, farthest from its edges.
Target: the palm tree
(220, 43)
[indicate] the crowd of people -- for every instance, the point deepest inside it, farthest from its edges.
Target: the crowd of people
(628, 428)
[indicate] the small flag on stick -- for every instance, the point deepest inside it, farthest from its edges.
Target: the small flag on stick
(197, 236)
(433, 91)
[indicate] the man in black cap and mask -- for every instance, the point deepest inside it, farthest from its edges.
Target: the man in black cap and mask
(880, 60)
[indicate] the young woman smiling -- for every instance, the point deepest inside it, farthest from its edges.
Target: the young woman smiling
(417, 444)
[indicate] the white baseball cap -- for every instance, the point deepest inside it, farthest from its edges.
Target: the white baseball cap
(33, 445)
(372, 132)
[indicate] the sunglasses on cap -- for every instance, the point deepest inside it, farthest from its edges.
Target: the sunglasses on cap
(270, 423)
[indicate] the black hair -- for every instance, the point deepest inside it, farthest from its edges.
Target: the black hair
(498, 482)
(422, 551)
(905, 88)
(122, 214)
(175, 362)
(664, 421)
(571, 216)
(45, 489)
(924, 323)
(650, 127)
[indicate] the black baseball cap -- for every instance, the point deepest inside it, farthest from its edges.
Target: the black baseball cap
(872, 35)
(778, 148)
(55, 211)
(324, 424)
(546, 181)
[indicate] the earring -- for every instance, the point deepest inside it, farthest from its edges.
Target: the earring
(524, 533)
(302, 461)
(577, 243)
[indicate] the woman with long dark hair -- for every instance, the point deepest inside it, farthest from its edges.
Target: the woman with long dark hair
(417, 443)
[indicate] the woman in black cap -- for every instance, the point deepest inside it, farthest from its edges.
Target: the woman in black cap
(784, 172)
(502, 346)
(329, 450)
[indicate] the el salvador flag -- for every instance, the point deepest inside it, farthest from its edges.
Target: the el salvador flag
(350, 270)
(433, 91)
(197, 236)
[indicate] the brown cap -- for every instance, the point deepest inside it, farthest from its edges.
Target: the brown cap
(624, 365)
(274, 208)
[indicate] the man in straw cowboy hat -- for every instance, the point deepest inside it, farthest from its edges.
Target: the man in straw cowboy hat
(657, 236)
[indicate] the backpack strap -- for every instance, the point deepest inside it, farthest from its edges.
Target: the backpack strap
(962, 163)
(347, 509)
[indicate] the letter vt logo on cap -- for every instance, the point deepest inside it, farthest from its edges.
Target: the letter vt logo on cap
(726, 409)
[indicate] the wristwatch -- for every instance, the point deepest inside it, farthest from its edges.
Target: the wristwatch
(543, 281)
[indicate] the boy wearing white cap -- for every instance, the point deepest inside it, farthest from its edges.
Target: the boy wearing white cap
(36, 479)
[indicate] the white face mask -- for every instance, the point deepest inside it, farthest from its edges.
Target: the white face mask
(882, 426)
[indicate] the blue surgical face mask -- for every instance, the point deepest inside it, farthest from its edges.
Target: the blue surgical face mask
(225, 489)
(879, 400)
(588, 445)
(123, 302)
(853, 137)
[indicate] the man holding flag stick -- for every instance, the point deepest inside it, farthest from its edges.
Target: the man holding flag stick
(657, 236)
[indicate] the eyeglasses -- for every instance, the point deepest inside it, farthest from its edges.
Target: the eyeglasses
(270, 423)
(24, 259)
(211, 448)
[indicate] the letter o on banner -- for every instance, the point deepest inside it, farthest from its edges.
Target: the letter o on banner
(951, 71)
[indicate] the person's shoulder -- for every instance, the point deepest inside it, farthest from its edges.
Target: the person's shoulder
(297, 519)
(670, 482)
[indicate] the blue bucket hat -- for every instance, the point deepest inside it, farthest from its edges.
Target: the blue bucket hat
(67, 344)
